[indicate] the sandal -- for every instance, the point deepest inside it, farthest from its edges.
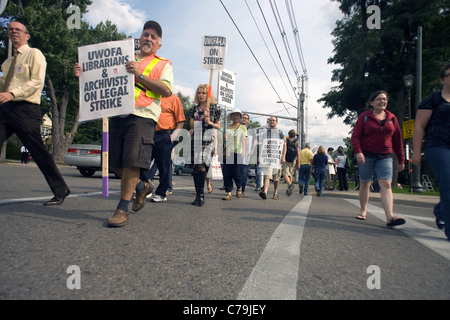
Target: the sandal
(228, 196)
(396, 222)
(275, 197)
(263, 195)
(210, 189)
(361, 217)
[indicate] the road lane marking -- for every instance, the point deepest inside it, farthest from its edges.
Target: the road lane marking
(87, 194)
(428, 236)
(274, 277)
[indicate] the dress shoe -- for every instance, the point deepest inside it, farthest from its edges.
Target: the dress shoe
(56, 200)
(139, 202)
(119, 219)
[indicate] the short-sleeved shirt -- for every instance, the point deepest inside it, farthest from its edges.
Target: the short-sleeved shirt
(320, 161)
(306, 156)
(235, 138)
(153, 111)
(214, 115)
(171, 113)
(438, 128)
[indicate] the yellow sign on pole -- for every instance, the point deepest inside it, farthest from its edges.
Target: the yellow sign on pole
(408, 128)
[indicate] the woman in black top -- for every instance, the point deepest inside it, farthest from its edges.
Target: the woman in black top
(433, 121)
(203, 140)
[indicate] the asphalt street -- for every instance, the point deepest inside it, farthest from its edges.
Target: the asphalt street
(296, 248)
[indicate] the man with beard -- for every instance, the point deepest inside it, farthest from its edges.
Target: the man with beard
(131, 136)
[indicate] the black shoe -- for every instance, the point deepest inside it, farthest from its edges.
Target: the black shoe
(57, 200)
(201, 200)
(300, 191)
(196, 201)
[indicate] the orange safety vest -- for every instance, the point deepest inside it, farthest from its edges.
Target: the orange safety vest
(154, 69)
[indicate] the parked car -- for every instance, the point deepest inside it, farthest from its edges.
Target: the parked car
(252, 172)
(86, 157)
(179, 166)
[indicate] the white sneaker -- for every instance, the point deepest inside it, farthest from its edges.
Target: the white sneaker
(149, 196)
(158, 198)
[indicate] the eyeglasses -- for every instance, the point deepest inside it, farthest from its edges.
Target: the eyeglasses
(272, 120)
(16, 29)
(446, 75)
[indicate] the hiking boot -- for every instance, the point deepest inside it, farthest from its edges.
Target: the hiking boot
(139, 201)
(119, 219)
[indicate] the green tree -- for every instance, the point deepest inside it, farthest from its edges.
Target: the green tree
(376, 59)
(46, 21)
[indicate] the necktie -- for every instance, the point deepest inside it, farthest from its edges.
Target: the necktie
(10, 73)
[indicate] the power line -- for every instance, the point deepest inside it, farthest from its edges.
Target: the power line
(254, 56)
(265, 43)
(278, 19)
(291, 14)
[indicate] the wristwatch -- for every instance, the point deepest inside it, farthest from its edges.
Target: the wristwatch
(141, 77)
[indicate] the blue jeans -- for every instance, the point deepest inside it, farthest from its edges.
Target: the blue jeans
(258, 173)
(245, 168)
(162, 152)
(438, 160)
(319, 175)
(304, 175)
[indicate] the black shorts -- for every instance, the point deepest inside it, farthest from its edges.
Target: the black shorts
(131, 142)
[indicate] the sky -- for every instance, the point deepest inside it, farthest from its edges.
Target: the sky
(260, 81)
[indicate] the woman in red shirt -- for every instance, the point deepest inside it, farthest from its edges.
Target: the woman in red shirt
(375, 137)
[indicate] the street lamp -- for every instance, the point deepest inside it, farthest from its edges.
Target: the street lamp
(408, 81)
(414, 171)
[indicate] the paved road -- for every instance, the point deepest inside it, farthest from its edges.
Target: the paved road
(299, 247)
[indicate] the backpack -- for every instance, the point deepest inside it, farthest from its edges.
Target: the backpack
(291, 150)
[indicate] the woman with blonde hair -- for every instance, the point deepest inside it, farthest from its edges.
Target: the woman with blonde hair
(320, 162)
(203, 140)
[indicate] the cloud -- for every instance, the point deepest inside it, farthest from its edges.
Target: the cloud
(118, 12)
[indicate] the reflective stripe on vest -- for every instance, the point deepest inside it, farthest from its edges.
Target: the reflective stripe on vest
(142, 96)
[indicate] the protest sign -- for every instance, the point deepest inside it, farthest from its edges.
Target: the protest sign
(226, 88)
(106, 88)
(213, 53)
(272, 152)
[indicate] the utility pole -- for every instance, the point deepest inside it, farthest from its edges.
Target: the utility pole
(301, 111)
(416, 186)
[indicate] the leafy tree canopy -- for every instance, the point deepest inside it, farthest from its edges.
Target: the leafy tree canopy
(46, 21)
(378, 59)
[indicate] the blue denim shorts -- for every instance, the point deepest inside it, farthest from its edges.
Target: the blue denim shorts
(383, 169)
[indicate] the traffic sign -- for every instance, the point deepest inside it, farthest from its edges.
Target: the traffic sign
(408, 129)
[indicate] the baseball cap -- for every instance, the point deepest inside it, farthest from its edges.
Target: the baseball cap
(153, 25)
